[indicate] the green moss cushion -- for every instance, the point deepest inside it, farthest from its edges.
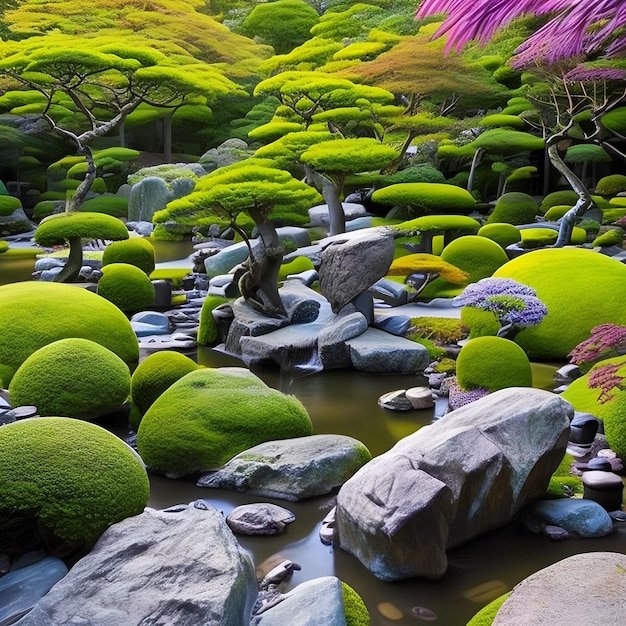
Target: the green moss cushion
(208, 332)
(156, 373)
(612, 237)
(57, 228)
(126, 286)
(354, 607)
(72, 377)
(76, 477)
(514, 208)
(210, 415)
(493, 363)
(581, 290)
(611, 185)
(136, 251)
(427, 197)
(478, 256)
(34, 314)
(504, 234)
(9, 204)
(487, 614)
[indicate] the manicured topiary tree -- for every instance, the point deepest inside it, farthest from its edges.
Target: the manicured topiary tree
(219, 413)
(72, 228)
(493, 363)
(504, 234)
(580, 288)
(429, 226)
(426, 198)
(156, 373)
(126, 286)
(514, 207)
(75, 478)
(34, 314)
(136, 251)
(72, 378)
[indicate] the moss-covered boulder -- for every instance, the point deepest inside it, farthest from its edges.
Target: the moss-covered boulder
(492, 363)
(514, 207)
(34, 314)
(136, 251)
(354, 607)
(610, 237)
(76, 478)
(504, 234)
(611, 185)
(72, 378)
(8, 205)
(126, 286)
(210, 415)
(581, 290)
(208, 331)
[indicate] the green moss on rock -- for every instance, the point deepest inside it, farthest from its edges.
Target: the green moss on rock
(208, 332)
(487, 614)
(354, 607)
(581, 290)
(611, 185)
(72, 378)
(611, 237)
(9, 204)
(504, 234)
(514, 207)
(34, 314)
(493, 363)
(136, 251)
(210, 415)
(478, 256)
(126, 286)
(75, 477)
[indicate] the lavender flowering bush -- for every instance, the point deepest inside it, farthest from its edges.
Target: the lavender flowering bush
(514, 304)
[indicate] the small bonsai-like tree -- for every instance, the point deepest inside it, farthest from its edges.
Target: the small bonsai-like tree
(515, 305)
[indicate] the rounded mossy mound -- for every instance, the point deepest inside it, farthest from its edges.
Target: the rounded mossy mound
(34, 314)
(72, 378)
(156, 373)
(208, 331)
(611, 185)
(492, 363)
(136, 251)
(504, 234)
(126, 286)
(580, 288)
(76, 478)
(9, 204)
(611, 237)
(514, 207)
(354, 607)
(210, 415)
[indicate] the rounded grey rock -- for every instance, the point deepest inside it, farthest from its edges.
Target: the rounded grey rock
(259, 519)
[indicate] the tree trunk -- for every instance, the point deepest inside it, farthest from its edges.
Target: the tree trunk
(478, 155)
(80, 194)
(70, 271)
(337, 217)
(167, 138)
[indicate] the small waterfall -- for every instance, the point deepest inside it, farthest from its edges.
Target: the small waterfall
(297, 363)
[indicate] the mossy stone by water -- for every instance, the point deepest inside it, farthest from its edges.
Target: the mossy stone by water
(354, 607)
(73, 378)
(34, 314)
(210, 415)
(75, 477)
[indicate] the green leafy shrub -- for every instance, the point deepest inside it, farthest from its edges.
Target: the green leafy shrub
(219, 413)
(354, 607)
(581, 290)
(440, 330)
(514, 207)
(208, 332)
(76, 478)
(136, 251)
(493, 363)
(72, 378)
(611, 185)
(504, 234)
(9, 204)
(156, 373)
(52, 311)
(126, 286)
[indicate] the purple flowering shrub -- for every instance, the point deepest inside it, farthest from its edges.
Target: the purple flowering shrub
(605, 341)
(458, 397)
(514, 304)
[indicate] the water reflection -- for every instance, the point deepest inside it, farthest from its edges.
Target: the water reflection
(345, 402)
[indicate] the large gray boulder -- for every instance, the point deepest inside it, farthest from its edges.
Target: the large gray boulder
(467, 473)
(291, 469)
(180, 567)
(353, 262)
(585, 588)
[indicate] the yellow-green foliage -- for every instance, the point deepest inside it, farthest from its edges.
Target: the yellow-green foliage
(427, 197)
(298, 265)
(75, 477)
(514, 208)
(441, 330)
(34, 314)
(581, 290)
(562, 480)
(72, 378)
(556, 212)
(538, 237)
(136, 251)
(354, 607)
(4, 245)
(479, 322)
(487, 614)
(494, 363)
(9, 204)
(360, 50)
(503, 234)
(569, 197)
(498, 120)
(43, 209)
(58, 228)
(156, 373)
(611, 237)
(126, 286)
(478, 256)
(117, 206)
(611, 185)
(218, 413)
(208, 332)
(496, 141)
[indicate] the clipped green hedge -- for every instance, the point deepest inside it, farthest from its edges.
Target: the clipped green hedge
(493, 363)
(34, 314)
(72, 378)
(219, 413)
(514, 207)
(75, 477)
(136, 251)
(126, 286)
